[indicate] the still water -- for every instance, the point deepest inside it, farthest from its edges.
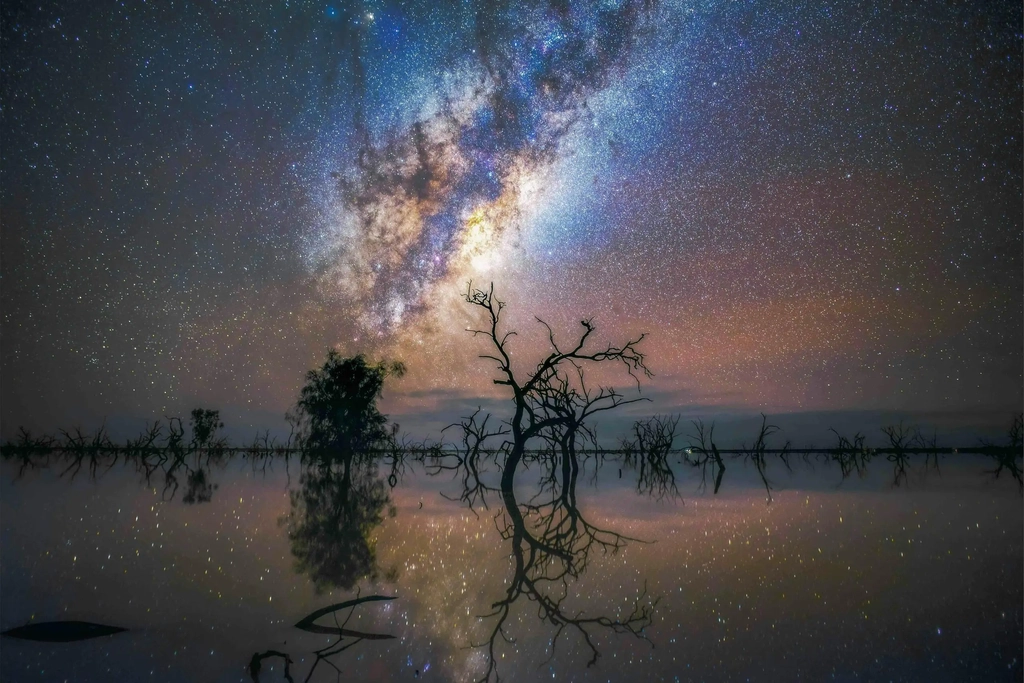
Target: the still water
(605, 574)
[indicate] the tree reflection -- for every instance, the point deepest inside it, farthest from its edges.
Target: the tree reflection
(704, 454)
(327, 654)
(551, 545)
(469, 458)
(341, 499)
(200, 489)
(649, 452)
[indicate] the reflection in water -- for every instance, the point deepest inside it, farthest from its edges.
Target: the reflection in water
(1010, 462)
(703, 454)
(650, 451)
(551, 545)
(326, 655)
(561, 593)
(339, 502)
(62, 631)
(550, 540)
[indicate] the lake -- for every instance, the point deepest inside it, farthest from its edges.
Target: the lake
(607, 569)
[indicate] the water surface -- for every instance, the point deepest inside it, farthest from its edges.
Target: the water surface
(605, 573)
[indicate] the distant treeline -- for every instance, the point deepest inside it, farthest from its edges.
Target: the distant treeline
(203, 433)
(552, 413)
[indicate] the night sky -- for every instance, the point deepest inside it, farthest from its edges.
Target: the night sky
(807, 207)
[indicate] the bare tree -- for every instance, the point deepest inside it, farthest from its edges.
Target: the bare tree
(550, 397)
(1007, 457)
(851, 455)
(759, 449)
(901, 438)
(467, 458)
(551, 546)
(649, 452)
(703, 453)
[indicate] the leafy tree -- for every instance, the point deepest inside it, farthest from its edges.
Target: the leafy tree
(337, 408)
(205, 424)
(333, 516)
(200, 489)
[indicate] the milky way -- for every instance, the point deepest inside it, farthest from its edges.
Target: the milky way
(439, 195)
(808, 208)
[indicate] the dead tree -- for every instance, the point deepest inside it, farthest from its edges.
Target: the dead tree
(327, 654)
(467, 457)
(703, 453)
(540, 402)
(759, 449)
(574, 402)
(851, 455)
(551, 546)
(901, 439)
(649, 452)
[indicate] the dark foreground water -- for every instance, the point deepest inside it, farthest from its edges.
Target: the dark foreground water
(604, 575)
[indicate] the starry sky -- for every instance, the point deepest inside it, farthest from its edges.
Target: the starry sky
(808, 208)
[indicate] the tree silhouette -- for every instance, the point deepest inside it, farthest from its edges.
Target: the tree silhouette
(200, 489)
(333, 514)
(553, 396)
(205, 424)
(337, 408)
(703, 453)
(323, 655)
(551, 545)
(649, 451)
(468, 458)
